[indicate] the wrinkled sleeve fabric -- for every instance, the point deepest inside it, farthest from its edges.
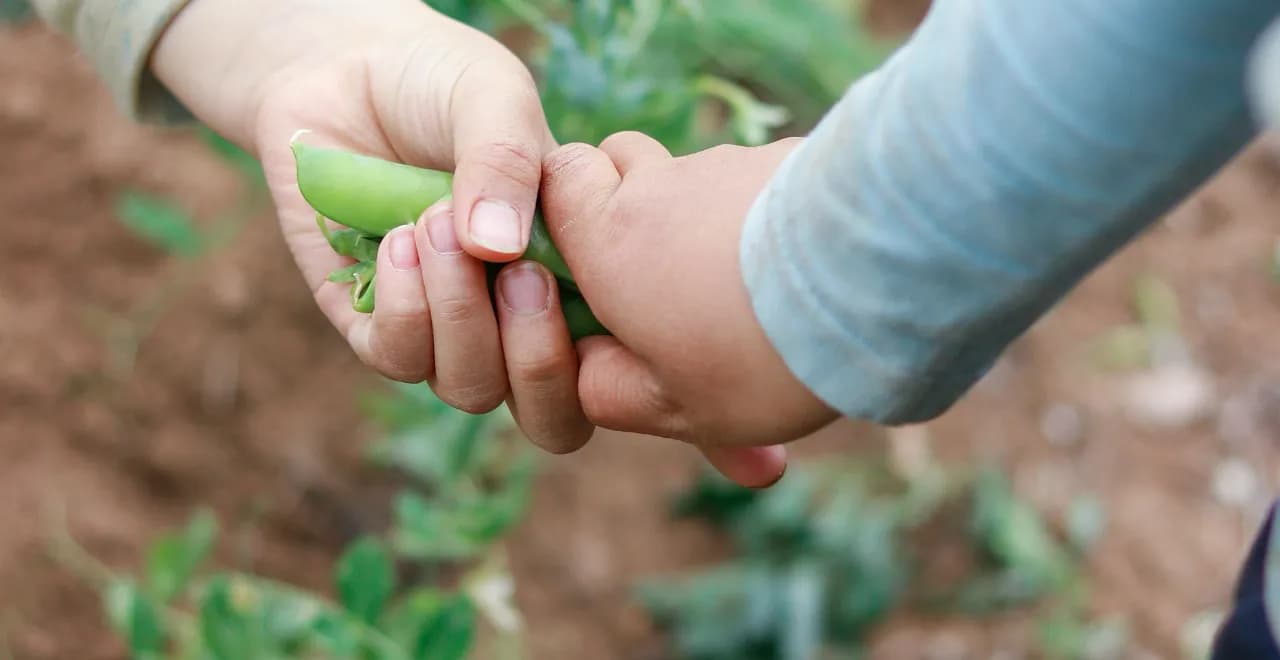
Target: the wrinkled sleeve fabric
(117, 36)
(958, 192)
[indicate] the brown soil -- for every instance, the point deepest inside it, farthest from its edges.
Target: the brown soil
(221, 406)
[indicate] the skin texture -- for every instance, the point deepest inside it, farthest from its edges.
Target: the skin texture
(396, 80)
(694, 366)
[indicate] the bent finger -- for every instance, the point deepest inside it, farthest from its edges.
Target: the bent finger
(400, 328)
(542, 365)
(469, 371)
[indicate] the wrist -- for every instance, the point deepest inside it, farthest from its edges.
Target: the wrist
(220, 59)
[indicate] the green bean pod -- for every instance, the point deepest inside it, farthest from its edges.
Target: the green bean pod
(578, 316)
(370, 197)
(364, 193)
(543, 251)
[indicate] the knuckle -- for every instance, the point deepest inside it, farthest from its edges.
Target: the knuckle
(634, 406)
(512, 160)
(562, 163)
(539, 375)
(454, 311)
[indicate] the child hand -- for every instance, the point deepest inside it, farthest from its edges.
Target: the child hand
(653, 243)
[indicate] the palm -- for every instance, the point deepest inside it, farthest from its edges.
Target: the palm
(375, 112)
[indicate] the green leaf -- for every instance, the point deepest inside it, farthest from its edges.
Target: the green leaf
(735, 610)
(366, 579)
(714, 498)
(462, 528)
(448, 633)
(336, 634)
(1015, 534)
(752, 120)
(161, 223)
(360, 270)
(226, 626)
(172, 560)
(136, 617)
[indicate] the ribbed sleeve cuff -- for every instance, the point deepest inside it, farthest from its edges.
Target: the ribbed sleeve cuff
(117, 37)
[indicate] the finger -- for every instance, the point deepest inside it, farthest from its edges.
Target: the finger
(620, 392)
(469, 371)
(752, 467)
(578, 183)
(501, 136)
(631, 149)
(542, 365)
(400, 329)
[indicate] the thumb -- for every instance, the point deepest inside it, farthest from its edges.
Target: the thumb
(578, 184)
(500, 137)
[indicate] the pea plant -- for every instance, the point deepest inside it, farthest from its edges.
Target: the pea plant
(422, 590)
(835, 548)
(173, 610)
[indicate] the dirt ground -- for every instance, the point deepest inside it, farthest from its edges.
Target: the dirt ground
(222, 407)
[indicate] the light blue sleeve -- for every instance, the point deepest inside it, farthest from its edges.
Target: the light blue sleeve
(961, 190)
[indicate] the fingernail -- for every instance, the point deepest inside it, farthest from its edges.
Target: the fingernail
(524, 289)
(496, 225)
(444, 240)
(401, 249)
(775, 454)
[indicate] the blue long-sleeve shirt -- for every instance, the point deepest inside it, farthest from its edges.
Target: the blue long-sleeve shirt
(959, 191)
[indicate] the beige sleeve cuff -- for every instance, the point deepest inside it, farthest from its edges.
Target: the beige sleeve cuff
(117, 37)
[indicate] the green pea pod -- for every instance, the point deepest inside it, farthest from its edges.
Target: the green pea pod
(543, 251)
(374, 196)
(578, 316)
(371, 196)
(365, 193)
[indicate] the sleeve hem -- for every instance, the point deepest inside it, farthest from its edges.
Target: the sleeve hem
(141, 95)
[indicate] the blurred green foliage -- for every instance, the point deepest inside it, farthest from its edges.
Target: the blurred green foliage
(685, 72)
(223, 615)
(833, 549)
(14, 10)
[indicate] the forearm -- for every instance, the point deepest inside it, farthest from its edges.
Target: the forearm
(956, 194)
(220, 56)
(213, 59)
